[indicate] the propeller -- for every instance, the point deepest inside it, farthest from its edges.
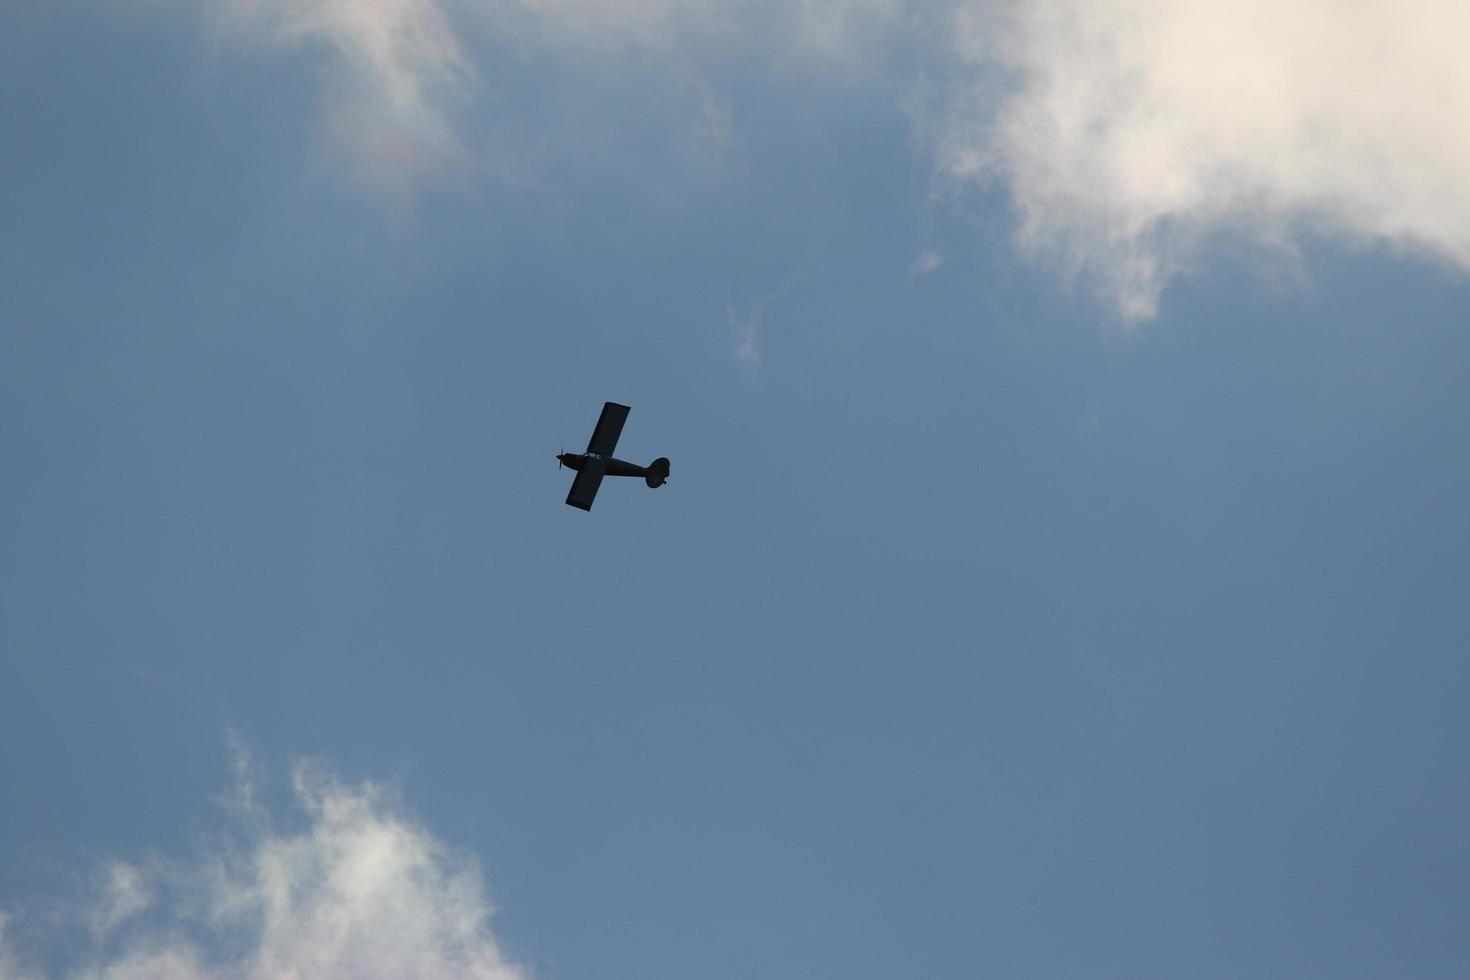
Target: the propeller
(559, 463)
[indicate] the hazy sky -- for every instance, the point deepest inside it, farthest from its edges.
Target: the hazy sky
(1063, 568)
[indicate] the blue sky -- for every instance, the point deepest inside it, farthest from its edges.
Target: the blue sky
(1061, 574)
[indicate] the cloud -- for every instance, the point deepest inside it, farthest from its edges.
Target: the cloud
(123, 894)
(10, 968)
(394, 76)
(1132, 132)
(400, 79)
(926, 263)
(358, 891)
(830, 29)
(747, 333)
(1131, 135)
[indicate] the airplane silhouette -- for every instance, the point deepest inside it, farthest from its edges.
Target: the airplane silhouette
(598, 461)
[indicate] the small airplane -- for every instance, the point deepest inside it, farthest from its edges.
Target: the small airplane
(598, 461)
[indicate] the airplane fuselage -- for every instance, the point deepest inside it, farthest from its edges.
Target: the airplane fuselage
(615, 467)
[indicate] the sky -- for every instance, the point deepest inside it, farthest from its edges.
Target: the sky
(1062, 571)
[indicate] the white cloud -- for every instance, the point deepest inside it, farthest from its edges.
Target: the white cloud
(394, 75)
(360, 891)
(1138, 129)
(1129, 133)
(124, 893)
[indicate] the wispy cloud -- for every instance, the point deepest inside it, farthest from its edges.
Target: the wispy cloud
(123, 892)
(830, 30)
(400, 77)
(359, 890)
(394, 76)
(925, 263)
(747, 334)
(1134, 131)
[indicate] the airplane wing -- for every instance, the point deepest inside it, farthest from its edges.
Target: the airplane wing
(589, 477)
(605, 436)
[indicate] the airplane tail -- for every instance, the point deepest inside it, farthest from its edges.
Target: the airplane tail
(658, 472)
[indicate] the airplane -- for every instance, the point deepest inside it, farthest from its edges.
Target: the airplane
(598, 461)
